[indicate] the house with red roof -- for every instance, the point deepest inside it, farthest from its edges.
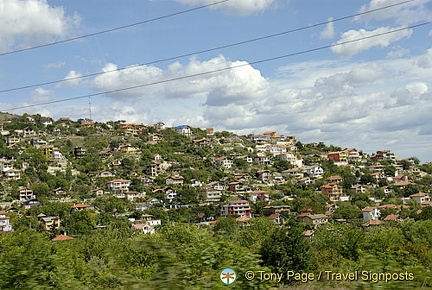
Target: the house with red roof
(371, 213)
(420, 197)
(79, 207)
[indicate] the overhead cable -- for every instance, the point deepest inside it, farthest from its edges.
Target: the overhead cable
(221, 69)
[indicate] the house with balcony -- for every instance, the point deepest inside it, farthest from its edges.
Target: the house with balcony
(384, 155)
(291, 158)
(105, 173)
(5, 225)
(174, 180)
(333, 191)
(205, 142)
(262, 159)
(334, 179)
(224, 162)
(49, 223)
(119, 185)
(25, 193)
(167, 192)
(338, 157)
(210, 194)
(12, 174)
(314, 220)
(80, 152)
(236, 207)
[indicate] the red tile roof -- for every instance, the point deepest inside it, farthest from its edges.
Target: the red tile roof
(62, 238)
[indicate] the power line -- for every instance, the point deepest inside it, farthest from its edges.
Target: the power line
(206, 50)
(114, 29)
(222, 69)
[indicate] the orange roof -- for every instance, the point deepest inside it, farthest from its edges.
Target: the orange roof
(243, 218)
(62, 238)
(372, 223)
(367, 209)
(80, 205)
(392, 217)
(273, 216)
(420, 194)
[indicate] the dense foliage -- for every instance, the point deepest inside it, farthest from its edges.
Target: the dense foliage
(179, 256)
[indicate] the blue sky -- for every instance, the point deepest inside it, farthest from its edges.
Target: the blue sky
(373, 94)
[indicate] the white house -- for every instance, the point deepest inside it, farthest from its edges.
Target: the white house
(184, 130)
(291, 158)
(5, 225)
(119, 185)
(237, 207)
(420, 197)
(315, 171)
(371, 213)
(224, 162)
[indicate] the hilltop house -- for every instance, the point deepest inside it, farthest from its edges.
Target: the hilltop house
(184, 130)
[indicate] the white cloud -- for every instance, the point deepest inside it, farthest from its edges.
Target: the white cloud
(425, 61)
(237, 7)
(238, 85)
(328, 31)
(41, 95)
(369, 105)
(25, 23)
(405, 14)
(54, 65)
(129, 77)
(72, 80)
(349, 49)
(398, 52)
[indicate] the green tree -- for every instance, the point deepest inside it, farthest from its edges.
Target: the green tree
(282, 252)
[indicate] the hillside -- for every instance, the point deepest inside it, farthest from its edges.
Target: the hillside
(188, 194)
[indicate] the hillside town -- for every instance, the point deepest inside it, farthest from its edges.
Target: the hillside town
(68, 178)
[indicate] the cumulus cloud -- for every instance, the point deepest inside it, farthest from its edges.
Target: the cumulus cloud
(425, 61)
(370, 105)
(72, 80)
(339, 83)
(398, 52)
(349, 49)
(404, 14)
(328, 31)
(218, 80)
(41, 95)
(114, 79)
(237, 7)
(25, 23)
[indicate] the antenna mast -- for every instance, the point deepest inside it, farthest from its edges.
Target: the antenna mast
(89, 103)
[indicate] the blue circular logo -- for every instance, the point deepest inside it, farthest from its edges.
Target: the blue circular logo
(228, 276)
